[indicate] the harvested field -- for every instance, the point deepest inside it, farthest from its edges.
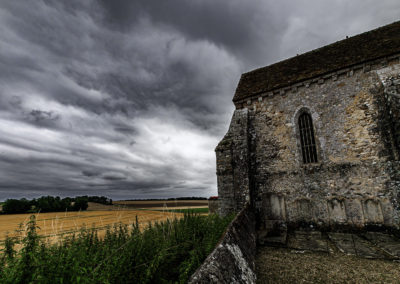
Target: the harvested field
(97, 206)
(54, 225)
(182, 204)
(92, 206)
(280, 265)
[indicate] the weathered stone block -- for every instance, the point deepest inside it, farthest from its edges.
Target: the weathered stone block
(387, 211)
(275, 207)
(308, 240)
(365, 249)
(337, 211)
(373, 212)
(304, 210)
(354, 212)
(344, 242)
(291, 211)
(213, 206)
(321, 214)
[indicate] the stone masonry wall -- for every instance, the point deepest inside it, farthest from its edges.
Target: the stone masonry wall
(232, 261)
(355, 182)
(392, 96)
(391, 82)
(349, 184)
(232, 165)
(213, 206)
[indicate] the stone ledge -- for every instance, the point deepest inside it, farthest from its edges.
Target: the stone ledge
(233, 260)
(376, 245)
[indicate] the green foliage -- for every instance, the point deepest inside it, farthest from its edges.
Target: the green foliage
(13, 206)
(51, 204)
(99, 199)
(167, 252)
(81, 203)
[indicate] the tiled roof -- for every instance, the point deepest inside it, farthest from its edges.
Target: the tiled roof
(368, 46)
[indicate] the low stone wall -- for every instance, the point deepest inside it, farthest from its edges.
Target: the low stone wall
(233, 260)
(213, 206)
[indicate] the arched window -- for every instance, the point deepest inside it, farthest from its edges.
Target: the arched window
(307, 139)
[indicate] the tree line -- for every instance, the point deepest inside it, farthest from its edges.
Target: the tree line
(51, 204)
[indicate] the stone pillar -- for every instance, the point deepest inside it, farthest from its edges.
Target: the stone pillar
(392, 96)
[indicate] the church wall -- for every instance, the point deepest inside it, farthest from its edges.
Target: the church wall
(348, 185)
(354, 182)
(232, 165)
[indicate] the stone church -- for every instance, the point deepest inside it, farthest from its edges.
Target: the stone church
(315, 139)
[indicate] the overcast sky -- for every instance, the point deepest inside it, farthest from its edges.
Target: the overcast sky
(128, 99)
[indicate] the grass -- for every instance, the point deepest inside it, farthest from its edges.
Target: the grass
(279, 265)
(164, 252)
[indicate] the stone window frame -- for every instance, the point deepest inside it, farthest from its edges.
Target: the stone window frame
(307, 138)
(315, 121)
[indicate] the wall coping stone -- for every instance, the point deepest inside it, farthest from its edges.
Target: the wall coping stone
(233, 259)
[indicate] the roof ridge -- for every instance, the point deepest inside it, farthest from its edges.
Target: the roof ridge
(367, 46)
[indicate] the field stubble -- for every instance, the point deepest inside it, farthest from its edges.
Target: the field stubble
(162, 203)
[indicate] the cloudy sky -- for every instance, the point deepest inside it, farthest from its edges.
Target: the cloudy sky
(129, 98)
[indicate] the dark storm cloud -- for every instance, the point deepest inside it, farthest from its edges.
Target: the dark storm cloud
(238, 26)
(129, 98)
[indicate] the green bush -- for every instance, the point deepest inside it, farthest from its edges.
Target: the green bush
(167, 252)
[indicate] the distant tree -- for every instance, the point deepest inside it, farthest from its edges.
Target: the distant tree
(13, 206)
(188, 198)
(52, 204)
(81, 203)
(48, 204)
(99, 199)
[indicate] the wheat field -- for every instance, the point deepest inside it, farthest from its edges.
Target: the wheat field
(55, 225)
(160, 204)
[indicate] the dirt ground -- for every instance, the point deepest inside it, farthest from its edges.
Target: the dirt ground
(281, 265)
